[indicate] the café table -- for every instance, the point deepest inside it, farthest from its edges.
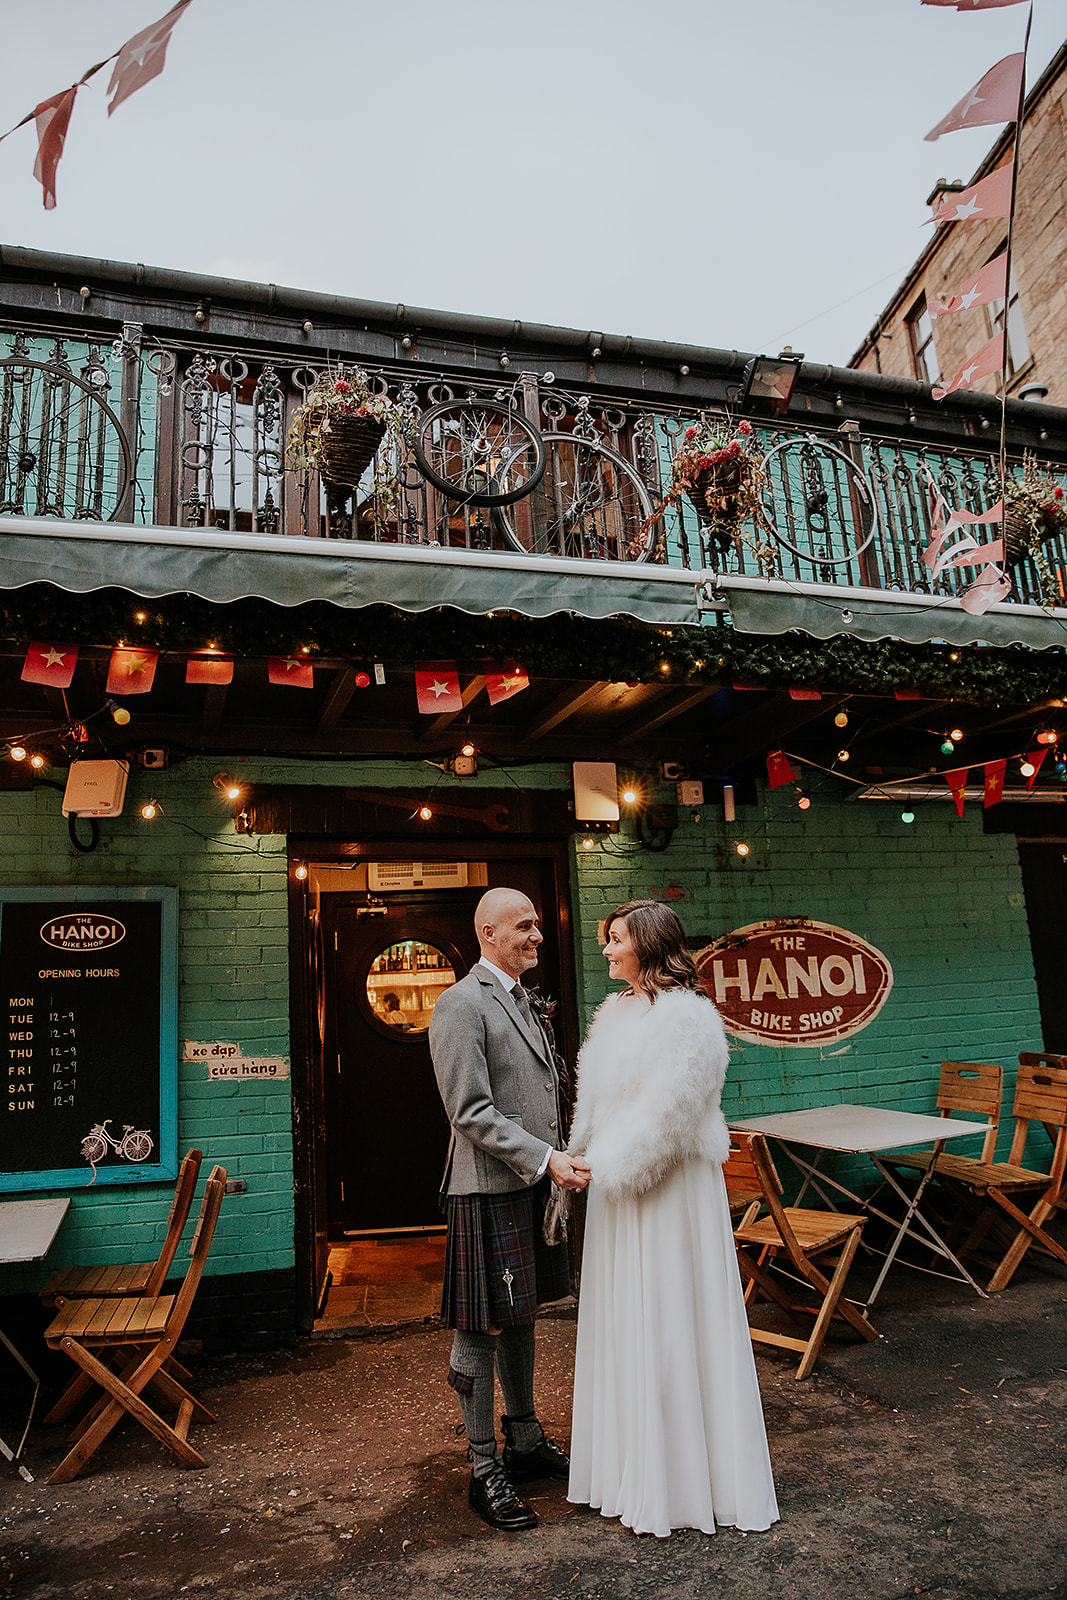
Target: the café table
(870, 1131)
(27, 1229)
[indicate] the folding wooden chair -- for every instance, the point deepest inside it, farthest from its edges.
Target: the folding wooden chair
(146, 1278)
(802, 1238)
(973, 1087)
(990, 1189)
(144, 1333)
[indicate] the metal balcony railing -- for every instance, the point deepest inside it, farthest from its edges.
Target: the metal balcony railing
(197, 439)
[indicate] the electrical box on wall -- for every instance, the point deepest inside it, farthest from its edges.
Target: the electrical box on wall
(96, 789)
(596, 791)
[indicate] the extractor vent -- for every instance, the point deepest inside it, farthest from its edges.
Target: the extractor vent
(384, 875)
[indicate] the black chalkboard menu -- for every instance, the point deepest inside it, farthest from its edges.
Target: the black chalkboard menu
(88, 985)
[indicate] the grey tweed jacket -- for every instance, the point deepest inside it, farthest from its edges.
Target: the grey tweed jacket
(499, 1086)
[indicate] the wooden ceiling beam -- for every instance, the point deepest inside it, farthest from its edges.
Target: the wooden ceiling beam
(565, 705)
(214, 711)
(640, 728)
(338, 696)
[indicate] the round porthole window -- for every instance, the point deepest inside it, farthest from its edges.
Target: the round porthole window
(404, 983)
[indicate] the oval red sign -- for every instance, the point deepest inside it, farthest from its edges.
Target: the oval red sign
(794, 981)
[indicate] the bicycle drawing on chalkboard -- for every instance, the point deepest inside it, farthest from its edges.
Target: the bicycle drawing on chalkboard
(136, 1144)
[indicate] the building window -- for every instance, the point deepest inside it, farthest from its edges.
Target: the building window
(1018, 345)
(921, 337)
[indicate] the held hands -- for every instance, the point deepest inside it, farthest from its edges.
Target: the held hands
(569, 1172)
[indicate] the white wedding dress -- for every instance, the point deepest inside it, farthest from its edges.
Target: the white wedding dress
(668, 1425)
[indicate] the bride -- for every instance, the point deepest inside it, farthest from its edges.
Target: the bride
(668, 1426)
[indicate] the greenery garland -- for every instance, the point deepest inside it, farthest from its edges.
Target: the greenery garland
(562, 646)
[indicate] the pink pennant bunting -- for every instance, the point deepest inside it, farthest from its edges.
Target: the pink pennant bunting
(987, 360)
(972, 5)
(994, 98)
(988, 590)
(53, 118)
(989, 284)
(142, 58)
(989, 198)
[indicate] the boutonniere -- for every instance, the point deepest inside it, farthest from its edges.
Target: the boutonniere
(542, 1005)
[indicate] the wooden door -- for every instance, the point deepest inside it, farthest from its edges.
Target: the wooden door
(386, 1134)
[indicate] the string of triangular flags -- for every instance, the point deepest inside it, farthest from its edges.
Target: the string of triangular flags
(780, 771)
(997, 98)
(132, 670)
(137, 62)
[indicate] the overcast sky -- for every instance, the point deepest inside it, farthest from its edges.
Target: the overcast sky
(733, 173)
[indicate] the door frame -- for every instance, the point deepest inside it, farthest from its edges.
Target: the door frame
(306, 1052)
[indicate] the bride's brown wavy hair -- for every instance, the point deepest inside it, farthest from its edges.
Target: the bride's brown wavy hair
(659, 943)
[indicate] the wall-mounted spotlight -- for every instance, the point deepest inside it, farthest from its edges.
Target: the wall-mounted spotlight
(771, 378)
(226, 785)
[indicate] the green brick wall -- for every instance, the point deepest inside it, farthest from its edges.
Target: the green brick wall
(939, 898)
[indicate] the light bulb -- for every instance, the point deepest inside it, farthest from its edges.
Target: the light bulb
(907, 816)
(843, 755)
(841, 720)
(1048, 737)
(425, 813)
(121, 715)
(149, 810)
(18, 752)
(742, 848)
(38, 762)
(588, 843)
(665, 666)
(468, 749)
(956, 733)
(1027, 769)
(629, 796)
(804, 801)
(233, 792)
(301, 871)
(947, 747)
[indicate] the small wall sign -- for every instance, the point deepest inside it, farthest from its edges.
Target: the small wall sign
(794, 982)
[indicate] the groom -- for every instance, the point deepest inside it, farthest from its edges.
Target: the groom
(496, 1071)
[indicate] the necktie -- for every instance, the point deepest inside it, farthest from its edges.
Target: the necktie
(521, 999)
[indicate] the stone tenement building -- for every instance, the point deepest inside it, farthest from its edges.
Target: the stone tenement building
(906, 342)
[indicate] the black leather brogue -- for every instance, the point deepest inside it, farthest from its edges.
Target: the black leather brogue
(545, 1460)
(494, 1500)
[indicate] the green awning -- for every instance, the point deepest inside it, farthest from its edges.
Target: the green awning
(768, 606)
(288, 571)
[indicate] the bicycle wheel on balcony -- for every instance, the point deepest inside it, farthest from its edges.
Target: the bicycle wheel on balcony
(481, 452)
(592, 506)
(63, 451)
(818, 502)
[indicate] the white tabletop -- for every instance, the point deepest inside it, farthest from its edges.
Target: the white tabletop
(859, 1130)
(27, 1227)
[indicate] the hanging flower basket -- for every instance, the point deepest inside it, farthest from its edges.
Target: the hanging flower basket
(1035, 511)
(340, 425)
(718, 469)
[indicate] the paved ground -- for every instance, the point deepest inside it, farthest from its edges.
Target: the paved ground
(930, 1463)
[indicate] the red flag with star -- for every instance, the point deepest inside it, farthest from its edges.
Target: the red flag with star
(989, 284)
(989, 198)
(957, 782)
(52, 118)
(141, 58)
(296, 671)
(509, 680)
(994, 98)
(131, 671)
(987, 360)
(437, 687)
(778, 769)
(52, 664)
(994, 782)
(209, 669)
(1035, 758)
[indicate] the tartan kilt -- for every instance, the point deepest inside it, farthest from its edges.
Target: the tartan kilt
(492, 1236)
